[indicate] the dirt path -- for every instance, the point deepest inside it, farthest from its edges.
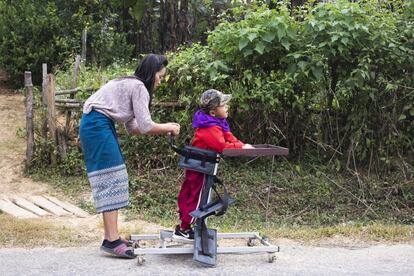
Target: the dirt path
(12, 151)
(12, 148)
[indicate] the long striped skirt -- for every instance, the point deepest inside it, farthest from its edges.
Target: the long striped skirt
(104, 162)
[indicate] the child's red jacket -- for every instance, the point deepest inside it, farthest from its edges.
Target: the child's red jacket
(214, 138)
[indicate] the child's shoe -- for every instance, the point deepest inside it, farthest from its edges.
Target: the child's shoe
(183, 235)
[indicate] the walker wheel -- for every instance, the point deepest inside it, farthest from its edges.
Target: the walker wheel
(136, 244)
(140, 260)
(272, 258)
(251, 242)
(130, 242)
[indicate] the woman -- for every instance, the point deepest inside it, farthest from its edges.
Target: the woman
(125, 100)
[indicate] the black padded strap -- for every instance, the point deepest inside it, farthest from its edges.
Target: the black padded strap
(188, 153)
(224, 198)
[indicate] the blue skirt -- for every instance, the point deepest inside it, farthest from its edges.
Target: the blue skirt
(104, 162)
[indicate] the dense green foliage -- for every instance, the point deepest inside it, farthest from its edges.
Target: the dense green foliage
(333, 83)
(36, 32)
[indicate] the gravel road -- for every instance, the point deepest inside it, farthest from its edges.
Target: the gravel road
(292, 260)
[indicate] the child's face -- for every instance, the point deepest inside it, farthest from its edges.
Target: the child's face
(220, 112)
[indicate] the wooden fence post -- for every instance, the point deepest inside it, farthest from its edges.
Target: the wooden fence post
(51, 115)
(75, 71)
(72, 95)
(29, 117)
(44, 99)
(44, 84)
(83, 53)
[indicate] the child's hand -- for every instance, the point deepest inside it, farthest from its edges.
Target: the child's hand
(247, 146)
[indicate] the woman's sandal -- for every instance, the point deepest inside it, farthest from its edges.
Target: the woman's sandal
(121, 251)
(126, 242)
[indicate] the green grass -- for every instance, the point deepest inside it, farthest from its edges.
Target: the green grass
(303, 204)
(29, 233)
(375, 231)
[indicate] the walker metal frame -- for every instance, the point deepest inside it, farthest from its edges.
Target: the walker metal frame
(204, 248)
(168, 247)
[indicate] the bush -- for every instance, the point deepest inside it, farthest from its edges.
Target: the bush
(30, 33)
(323, 84)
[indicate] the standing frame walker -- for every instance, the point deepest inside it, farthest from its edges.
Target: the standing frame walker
(204, 248)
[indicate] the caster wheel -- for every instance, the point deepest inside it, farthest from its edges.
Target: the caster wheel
(140, 260)
(130, 242)
(272, 258)
(251, 242)
(135, 245)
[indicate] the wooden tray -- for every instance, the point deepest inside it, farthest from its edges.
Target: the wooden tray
(259, 150)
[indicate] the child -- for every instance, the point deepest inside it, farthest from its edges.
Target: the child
(212, 133)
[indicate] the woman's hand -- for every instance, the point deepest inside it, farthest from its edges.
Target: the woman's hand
(174, 128)
(170, 128)
(247, 146)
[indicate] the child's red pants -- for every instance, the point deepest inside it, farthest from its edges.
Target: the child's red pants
(189, 197)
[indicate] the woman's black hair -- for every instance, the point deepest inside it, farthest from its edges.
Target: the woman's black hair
(147, 69)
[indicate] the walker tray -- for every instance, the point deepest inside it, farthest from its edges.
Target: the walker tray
(258, 150)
